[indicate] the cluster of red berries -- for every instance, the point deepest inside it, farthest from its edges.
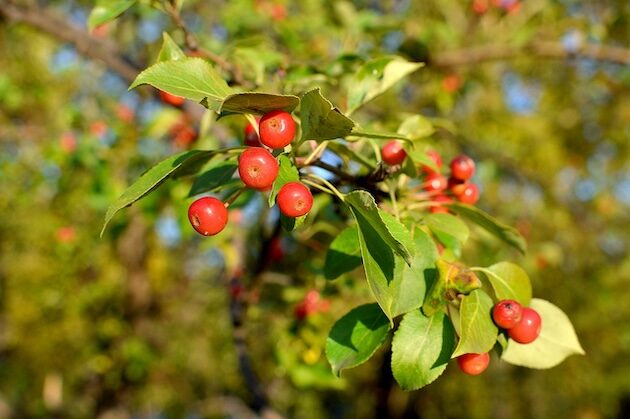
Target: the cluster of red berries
(458, 185)
(258, 169)
(521, 323)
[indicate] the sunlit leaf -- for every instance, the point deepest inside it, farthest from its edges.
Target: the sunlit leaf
(107, 10)
(153, 178)
(356, 336)
(421, 349)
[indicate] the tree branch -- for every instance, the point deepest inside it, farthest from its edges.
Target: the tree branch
(193, 44)
(537, 49)
(49, 22)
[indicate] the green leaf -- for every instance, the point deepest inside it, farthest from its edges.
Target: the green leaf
(416, 127)
(107, 10)
(452, 279)
(363, 204)
(344, 253)
(375, 77)
(557, 340)
(421, 349)
(170, 50)
(287, 173)
(510, 282)
(257, 103)
(506, 233)
(420, 158)
(321, 120)
(410, 289)
(478, 331)
(355, 337)
(153, 178)
(449, 229)
(386, 136)
(290, 223)
(214, 178)
(192, 78)
(397, 287)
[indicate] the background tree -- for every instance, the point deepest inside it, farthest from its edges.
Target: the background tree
(145, 320)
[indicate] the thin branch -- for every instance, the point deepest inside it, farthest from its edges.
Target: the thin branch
(238, 308)
(537, 49)
(193, 44)
(50, 22)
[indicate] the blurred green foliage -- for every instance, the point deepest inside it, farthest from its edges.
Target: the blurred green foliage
(138, 322)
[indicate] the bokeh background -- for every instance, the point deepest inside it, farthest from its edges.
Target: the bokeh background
(137, 323)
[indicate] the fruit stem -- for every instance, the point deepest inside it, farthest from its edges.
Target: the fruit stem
(392, 197)
(234, 197)
(329, 185)
(252, 120)
(316, 153)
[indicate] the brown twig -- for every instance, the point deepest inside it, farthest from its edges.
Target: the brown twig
(50, 22)
(193, 44)
(536, 49)
(238, 308)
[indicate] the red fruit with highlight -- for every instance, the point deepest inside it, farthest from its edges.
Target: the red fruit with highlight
(276, 129)
(473, 364)
(528, 329)
(208, 216)
(258, 168)
(467, 193)
(435, 183)
(507, 313)
(393, 153)
(462, 167)
(294, 200)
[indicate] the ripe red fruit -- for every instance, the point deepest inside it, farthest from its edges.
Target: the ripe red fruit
(66, 234)
(98, 128)
(294, 199)
(462, 167)
(171, 99)
(68, 142)
(276, 129)
(276, 249)
(507, 313)
(456, 186)
(439, 208)
(467, 193)
(251, 137)
(473, 364)
(437, 160)
(528, 329)
(257, 167)
(451, 83)
(208, 216)
(480, 7)
(393, 153)
(435, 183)
(182, 134)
